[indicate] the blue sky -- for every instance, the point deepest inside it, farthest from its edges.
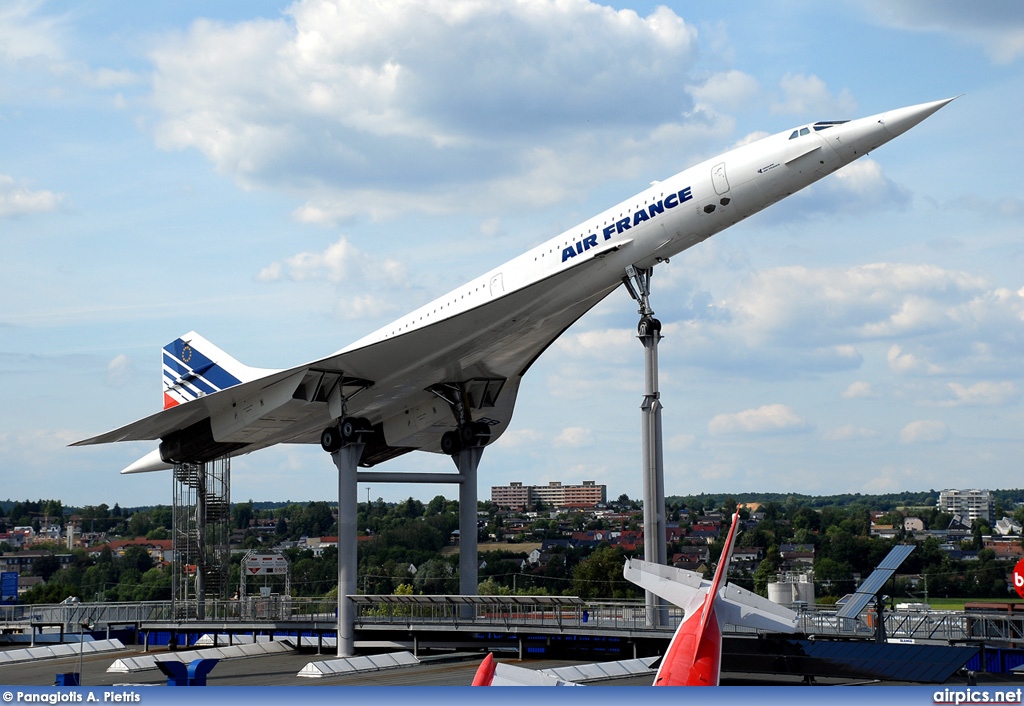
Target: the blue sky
(285, 178)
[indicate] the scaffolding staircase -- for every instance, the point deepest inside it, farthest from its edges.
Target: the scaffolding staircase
(201, 532)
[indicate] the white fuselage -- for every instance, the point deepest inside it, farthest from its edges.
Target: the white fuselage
(484, 335)
(675, 214)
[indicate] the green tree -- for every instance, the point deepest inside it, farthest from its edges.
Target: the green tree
(158, 533)
(135, 558)
(436, 577)
(600, 576)
(140, 524)
(767, 570)
(242, 515)
(46, 566)
(833, 578)
(50, 592)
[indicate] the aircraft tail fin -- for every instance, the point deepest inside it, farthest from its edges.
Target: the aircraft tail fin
(693, 658)
(493, 673)
(721, 572)
(193, 367)
(485, 672)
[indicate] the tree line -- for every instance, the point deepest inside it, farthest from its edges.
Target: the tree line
(409, 545)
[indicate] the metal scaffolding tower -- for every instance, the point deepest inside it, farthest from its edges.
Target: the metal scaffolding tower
(201, 531)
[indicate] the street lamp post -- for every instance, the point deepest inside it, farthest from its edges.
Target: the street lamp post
(85, 624)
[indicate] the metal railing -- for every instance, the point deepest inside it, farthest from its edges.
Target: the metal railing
(506, 612)
(500, 613)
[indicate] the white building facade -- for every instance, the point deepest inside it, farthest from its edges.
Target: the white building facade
(972, 504)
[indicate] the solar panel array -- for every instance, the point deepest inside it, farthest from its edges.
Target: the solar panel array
(866, 592)
(854, 660)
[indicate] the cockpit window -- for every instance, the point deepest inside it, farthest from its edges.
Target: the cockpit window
(818, 127)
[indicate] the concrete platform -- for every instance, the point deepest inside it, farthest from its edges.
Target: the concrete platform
(283, 670)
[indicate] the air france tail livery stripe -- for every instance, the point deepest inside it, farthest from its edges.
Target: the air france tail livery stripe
(189, 374)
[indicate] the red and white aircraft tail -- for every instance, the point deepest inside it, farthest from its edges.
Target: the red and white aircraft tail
(494, 673)
(694, 657)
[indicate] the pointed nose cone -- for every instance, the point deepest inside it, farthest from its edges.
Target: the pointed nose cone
(897, 122)
(149, 462)
(855, 138)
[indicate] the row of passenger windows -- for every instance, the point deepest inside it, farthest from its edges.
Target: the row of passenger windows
(543, 254)
(437, 309)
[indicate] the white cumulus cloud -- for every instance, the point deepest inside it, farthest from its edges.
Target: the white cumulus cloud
(809, 95)
(370, 286)
(983, 394)
(376, 107)
(769, 419)
(16, 199)
(520, 438)
(904, 362)
(575, 437)
(996, 26)
(339, 263)
(120, 370)
(859, 390)
(924, 431)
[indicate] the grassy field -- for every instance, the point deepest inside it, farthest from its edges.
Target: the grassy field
(524, 547)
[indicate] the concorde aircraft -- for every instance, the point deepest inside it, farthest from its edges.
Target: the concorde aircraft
(445, 377)
(694, 656)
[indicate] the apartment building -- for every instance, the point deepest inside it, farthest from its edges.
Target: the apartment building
(518, 496)
(972, 504)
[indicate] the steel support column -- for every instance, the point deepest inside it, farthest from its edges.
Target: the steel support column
(655, 546)
(468, 460)
(638, 283)
(347, 461)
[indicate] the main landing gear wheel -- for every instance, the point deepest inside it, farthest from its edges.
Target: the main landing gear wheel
(330, 439)
(466, 436)
(451, 444)
(348, 431)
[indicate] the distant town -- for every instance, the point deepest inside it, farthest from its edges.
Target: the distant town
(552, 539)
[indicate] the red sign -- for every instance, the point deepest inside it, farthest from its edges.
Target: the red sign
(1018, 578)
(257, 564)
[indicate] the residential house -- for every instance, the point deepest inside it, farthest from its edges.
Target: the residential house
(913, 524)
(705, 531)
(960, 528)
(318, 544)
(884, 531)
(23, 563)
(1004, 549)
(1008, 527)
(797, 555)
(162, 550)
(691, 558)
(746, 558)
